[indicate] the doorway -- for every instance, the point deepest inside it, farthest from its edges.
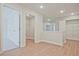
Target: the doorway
(72, 29)
(30, 28)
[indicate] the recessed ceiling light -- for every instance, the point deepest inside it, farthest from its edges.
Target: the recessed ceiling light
(72, 13)
(49, 19)
(61, 11)
(41, 6)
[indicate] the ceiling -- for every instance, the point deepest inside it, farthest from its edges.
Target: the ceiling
(52, 10)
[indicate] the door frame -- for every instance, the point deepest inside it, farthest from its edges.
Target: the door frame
(69, 18)
(30, 19)
(34, 15)
(66, 29)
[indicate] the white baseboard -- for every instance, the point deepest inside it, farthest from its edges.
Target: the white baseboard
(36, 41)
(49, 42)
(76, 39)
(65, 41)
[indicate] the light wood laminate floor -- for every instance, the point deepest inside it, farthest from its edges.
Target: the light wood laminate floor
(70, 48)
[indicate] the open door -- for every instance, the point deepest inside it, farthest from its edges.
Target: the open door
(10, 28)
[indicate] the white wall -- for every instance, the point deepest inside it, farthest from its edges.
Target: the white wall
(62, 26)
(38, 28)
(50, 37)
(0, 26)
(23, 29)
(53, 37)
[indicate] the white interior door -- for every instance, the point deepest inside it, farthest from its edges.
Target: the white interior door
(11, 28)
